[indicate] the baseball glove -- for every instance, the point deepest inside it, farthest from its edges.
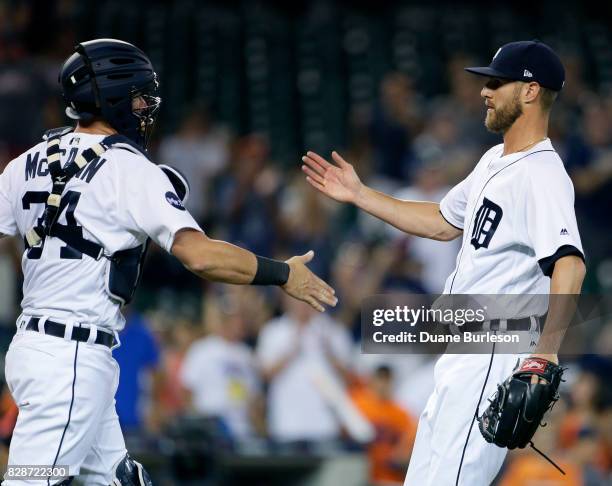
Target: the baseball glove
(517, 409)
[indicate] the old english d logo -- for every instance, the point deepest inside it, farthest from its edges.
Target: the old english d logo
(487, 220)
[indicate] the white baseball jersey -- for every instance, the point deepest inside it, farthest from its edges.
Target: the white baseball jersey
(517, 216)
(118, 200)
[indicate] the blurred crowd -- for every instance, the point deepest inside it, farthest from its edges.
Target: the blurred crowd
(268, 371)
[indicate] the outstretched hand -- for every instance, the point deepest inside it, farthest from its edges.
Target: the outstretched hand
(306, 286)
(340, 182)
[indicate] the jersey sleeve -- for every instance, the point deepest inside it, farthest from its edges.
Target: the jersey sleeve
(550, 216)
(8, 225)
(149, 204)
(452, 206)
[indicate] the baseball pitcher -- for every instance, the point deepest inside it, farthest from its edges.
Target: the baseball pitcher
(515, 214)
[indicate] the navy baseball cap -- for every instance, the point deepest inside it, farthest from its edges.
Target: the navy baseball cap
(525, 61)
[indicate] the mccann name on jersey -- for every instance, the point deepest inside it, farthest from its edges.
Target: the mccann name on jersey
(36, 166)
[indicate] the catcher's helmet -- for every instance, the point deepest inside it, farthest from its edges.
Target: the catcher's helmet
(102, 78)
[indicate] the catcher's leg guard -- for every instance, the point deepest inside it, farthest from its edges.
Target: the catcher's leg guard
(130, 473)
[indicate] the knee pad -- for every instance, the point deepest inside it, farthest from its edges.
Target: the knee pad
(129, 472)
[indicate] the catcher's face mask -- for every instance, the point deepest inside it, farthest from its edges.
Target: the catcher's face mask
(145, 107)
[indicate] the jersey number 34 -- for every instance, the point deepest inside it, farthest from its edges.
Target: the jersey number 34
(69, 203)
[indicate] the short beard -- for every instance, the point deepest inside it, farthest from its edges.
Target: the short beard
(500, 120)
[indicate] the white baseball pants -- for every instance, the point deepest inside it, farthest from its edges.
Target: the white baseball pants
(65, 393)
(442, 446)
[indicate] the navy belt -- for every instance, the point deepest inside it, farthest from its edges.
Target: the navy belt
(80, 334)
(523, 324)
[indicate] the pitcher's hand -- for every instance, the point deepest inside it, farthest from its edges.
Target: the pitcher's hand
(340, 182)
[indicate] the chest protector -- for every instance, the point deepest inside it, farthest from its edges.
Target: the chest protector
(124, 267)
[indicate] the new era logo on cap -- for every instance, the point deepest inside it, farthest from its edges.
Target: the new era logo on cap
(525, 60)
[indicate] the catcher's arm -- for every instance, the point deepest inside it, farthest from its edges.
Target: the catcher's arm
(220, 261)
(566, 281)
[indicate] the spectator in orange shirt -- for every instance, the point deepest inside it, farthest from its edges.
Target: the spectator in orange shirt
(8, 417)
(527, 469)
(590, 397)
(389, 453)
(530, 470)
(172, 397)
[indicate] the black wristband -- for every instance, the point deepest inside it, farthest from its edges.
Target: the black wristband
(270, 272)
